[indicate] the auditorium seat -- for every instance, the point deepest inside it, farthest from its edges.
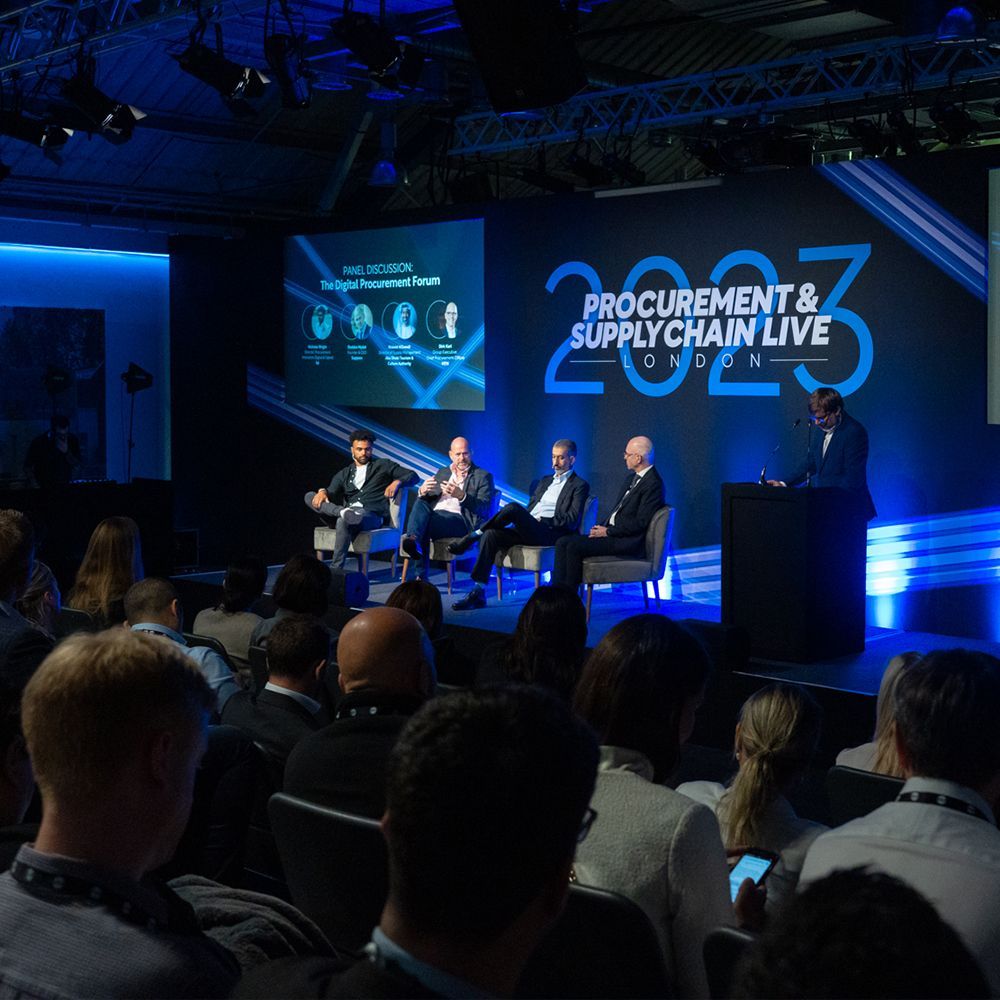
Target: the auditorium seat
(258, 668)
(723, 948)
(384, 539)
(853, 793)
(70, 620)
(647, 568)
(194, 639)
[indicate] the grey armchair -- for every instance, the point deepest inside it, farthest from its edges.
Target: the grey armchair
(384, 539)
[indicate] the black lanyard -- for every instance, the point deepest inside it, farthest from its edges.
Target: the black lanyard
(945, 801)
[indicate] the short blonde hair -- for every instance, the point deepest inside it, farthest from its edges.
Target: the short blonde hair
(94, 698)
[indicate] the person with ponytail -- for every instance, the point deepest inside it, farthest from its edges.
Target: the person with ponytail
(776, 737)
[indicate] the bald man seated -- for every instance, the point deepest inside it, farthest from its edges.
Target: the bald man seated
(386, 673)
(622, 532)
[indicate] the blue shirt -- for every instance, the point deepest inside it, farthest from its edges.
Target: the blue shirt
(546, 506)
(383, 948)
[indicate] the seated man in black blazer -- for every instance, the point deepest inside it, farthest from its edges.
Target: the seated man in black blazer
(623, 532)
(554, 510)
(289, 707)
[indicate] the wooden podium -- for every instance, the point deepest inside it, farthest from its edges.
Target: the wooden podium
(793, 570)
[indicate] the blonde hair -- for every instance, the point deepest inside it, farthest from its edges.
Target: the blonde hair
(93, 700)
(886, 755)
(775, 739)
(32, 604)
(111, 564)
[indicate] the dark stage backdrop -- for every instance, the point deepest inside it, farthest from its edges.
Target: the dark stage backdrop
(869, 275)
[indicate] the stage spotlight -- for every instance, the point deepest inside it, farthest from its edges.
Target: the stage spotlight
(386, 173)
(284, 57)
(773, 147)
(904, 133)
(33, 130)
(236, 84)
(963, 23)
(874, 142)
(136, 379)
(708, 155)
(368, 40)
(954, 122)
(592, 174)
(624, 169)
(114, 120)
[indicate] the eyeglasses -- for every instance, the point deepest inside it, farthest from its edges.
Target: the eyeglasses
(588, 821)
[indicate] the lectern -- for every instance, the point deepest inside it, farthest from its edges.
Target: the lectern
(793, 570)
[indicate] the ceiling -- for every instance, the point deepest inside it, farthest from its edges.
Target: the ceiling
(661, 105)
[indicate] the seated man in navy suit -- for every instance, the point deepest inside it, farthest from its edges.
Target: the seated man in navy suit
(623, 531)
(554, 510)
(839, 456)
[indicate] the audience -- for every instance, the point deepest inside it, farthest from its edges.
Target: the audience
(776, 737)
(940, 835)
(115, 724)
(547, 646)
(289, 708)
(858, 934)
(111, 564)
(40, 601)
(386, 673)
(487, 798)
(231, 622)
(880, 755)
(640, 690)
(152, 606)
(302, 588)
(17, 782)
(22, 647)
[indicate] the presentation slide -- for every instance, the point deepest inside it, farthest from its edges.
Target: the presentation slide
(387, 318)
(993, 310)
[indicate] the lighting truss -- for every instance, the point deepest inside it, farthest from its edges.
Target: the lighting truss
(896, 68)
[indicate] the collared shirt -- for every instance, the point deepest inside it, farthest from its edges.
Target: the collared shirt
(950, 857)
(360, 474)
(453, 504)
(546, 505)
(384, 949)
(635, 483)
(310, 704)
(214, 668)
(828, 438)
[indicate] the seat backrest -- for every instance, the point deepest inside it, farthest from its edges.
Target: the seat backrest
(193, 639)
(722, 950)
(603, 945)
(658, 539)
(336, 867)
(397, 508)
(589, 517)
(258, 667)
(70, 620)
(853, 793)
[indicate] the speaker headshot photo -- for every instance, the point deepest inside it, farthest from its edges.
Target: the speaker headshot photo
(402, 321)
(361, 321)
(322, 322)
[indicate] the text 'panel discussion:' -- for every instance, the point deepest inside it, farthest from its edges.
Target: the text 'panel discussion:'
(499, 499)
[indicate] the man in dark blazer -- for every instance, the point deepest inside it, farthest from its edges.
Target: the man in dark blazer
(358, 496)
(623, 531)
(451, 503)
(289, 707)
(554, 510)
(838, 456)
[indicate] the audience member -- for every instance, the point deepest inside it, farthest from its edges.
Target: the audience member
(880, 755)
(22, 647)
(289, 707)
(115, 724)
(232, 622)
(386, 673)
(547, 646)
(302, 588)
(423, 601)
(640, 690)
(940, 834)
(487, 799)
(40, 601)
(857, 934)
(111, 564)
(776, 737)
(152, 606)
(17, 782)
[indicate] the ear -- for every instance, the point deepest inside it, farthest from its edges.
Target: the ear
(341, 684)
(552, 897)
(319, 670)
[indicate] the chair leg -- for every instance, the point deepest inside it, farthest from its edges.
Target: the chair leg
(538, 579)
(590, 597)
(645, 595)
(393, 565)
(406, 566)
(363, 559)
(319, 554)
(500, 583)
(451, 574)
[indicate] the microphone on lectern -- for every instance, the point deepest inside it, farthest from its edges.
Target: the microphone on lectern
(774, 450)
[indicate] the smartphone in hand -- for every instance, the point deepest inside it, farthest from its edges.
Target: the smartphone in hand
(753, 863)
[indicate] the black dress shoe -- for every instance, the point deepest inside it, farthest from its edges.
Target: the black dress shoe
(410, 546)
(472, 600)
(456, 548)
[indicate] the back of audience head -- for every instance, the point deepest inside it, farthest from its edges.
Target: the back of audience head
(423, 601)
(886, 756)
(17, 553)
(112, 704)
(17, 783)
(776, 737)
(485, 803)
(386, 649)
(549, 641)
(40, 600)
(111, 564)
(641, 687)
(303, 586)
(153, 600)
(858, 934)
(243, 583)
(947, 706)
(298, 649)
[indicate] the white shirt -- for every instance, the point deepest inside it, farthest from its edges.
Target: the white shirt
(546, 505)
(452, 504)
(827, 439)
(950, 857)
(303, 699)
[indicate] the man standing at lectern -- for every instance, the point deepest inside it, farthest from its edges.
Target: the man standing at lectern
(838, 456)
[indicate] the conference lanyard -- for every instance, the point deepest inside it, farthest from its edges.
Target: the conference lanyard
(945, 801)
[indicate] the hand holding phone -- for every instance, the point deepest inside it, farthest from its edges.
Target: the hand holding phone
(753, 863)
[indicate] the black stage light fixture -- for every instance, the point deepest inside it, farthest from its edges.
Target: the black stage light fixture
(954, 123)
(592, 174)
(904, 132)
(708, 155)
(284, 57)
(136, 379)
(625, 169)
(33, 130)
(874, 142)
(370, 41)
(772, 147)
(962, 23)
(234, 83)
(114, 120)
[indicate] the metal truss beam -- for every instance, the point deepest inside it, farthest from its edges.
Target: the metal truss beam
(898, 68)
